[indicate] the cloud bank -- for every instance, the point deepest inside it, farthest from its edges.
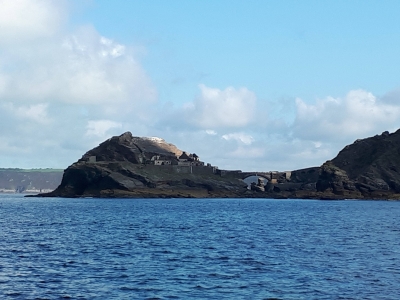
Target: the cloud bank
(64, 91)
(241, 136)
(358, 114)
(216, 108)
(58, 86)
(27, 20)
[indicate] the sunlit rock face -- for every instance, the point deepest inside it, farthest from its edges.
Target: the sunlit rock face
(131, 149)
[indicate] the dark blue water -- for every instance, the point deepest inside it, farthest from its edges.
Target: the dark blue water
(198, 249)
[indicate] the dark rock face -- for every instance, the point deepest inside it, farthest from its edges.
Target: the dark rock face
(335, 180)
(373, 164)
(121, 167)
(308, 175)
(367, 169)
(259, 186)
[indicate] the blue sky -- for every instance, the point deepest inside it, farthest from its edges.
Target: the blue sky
(295, 48)
(252, 85)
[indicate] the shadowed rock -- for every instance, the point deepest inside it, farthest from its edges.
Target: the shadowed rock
(367, 169)
(124, 166)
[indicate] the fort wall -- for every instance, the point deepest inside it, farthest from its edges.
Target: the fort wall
(199, 170)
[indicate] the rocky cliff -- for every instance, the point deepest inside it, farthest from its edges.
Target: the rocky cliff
(373, 163)
(367, 169)
(123, 166)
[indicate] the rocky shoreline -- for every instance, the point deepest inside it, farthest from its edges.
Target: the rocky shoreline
(131, 167)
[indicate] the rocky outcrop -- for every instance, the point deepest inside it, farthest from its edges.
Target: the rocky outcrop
(122, 167)
(335, 181)
(130, 149)
(259, 186)
(367, 169)
(373, 164)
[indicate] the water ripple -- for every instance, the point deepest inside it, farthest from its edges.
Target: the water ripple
(198, 249)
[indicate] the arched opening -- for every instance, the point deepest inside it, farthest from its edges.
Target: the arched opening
(254, 178)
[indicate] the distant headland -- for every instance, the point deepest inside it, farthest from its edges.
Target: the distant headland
(13, 180)
(137, 167)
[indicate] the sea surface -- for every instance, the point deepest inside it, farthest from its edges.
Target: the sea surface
(54, 248)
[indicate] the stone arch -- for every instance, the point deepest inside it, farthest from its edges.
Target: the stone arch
(254, 178)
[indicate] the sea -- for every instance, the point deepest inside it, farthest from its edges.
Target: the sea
(57, 248)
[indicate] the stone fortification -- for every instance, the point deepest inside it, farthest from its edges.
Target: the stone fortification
(127, 166)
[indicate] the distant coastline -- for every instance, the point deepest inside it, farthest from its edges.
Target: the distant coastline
(29, 181)
(28, 191)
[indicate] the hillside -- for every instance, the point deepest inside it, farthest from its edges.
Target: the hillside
(366, 169)
(128, 166)
(29, 180)
(373, 163)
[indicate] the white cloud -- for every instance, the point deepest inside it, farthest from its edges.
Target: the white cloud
(239, 137)
(357, 115)
(34, 112)
(211, 132)
(318, 132)
(110, 48)
(63, 91)
(100, 128)
(29, 19)
(222, 108)
(80, 69)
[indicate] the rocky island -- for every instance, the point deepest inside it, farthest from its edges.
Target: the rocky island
(128, 166)
(134, 167)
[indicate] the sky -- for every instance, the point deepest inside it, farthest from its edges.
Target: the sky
(250, 85)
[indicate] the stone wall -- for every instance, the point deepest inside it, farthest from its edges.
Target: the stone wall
(199, 170)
